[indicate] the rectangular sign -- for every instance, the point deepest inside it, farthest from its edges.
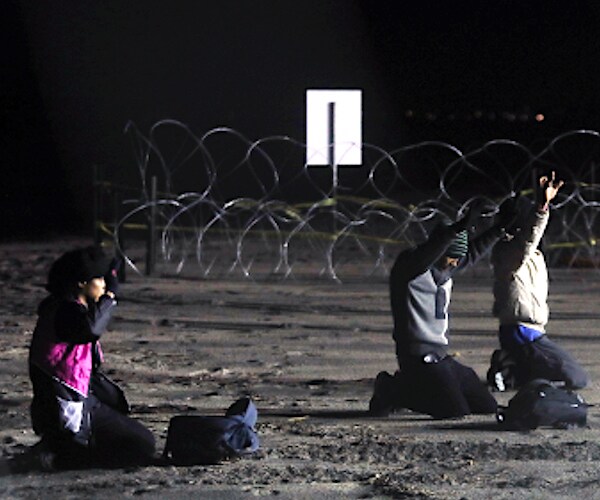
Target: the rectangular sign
(333, 127)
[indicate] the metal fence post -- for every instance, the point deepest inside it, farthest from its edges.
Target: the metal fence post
(122, 275)
(151, 241)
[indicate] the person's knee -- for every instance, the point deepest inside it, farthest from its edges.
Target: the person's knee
(578, 379)
(555, 363)
(478, 398)
(484, 404)
(451, 409)
(437, 392)
(141, 442)
(127, 442)
(147, 444)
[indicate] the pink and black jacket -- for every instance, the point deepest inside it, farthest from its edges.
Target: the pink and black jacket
(64, 351)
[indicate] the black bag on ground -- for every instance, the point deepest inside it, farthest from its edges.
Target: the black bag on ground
(540, 403)
(205, 440)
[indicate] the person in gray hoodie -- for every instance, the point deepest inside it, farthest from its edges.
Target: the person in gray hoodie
(429, 380)
(520, 303)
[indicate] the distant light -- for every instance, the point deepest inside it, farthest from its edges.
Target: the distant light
(430, 116)
(477, 114)
(539, 117)
(409, 113)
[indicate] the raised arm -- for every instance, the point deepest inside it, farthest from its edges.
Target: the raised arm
(416, 261)
(511, 253)
(547, 191)
(76, 324)
(411, 263)
(481, 245)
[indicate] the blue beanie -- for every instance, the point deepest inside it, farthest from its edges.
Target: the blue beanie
(459, 245)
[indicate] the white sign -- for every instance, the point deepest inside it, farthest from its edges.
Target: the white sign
(334, 127)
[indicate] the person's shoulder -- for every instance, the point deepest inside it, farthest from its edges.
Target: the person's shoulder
(70, 306)
(406, 256)
(49, 304)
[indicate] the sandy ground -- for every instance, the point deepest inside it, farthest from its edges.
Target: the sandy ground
(307, 352)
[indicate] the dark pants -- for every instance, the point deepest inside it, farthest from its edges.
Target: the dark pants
(445, 389)
(542, 358)
(116, 440)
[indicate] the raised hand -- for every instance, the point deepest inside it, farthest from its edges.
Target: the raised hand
(549, 188)
(112, 276)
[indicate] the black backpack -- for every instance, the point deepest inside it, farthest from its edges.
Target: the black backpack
(540, 403)
(205, 440)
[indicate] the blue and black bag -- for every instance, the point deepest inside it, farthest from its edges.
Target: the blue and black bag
(540, 403)
(205, 440)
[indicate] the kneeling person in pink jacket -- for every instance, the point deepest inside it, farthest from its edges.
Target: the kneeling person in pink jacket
(79, 412)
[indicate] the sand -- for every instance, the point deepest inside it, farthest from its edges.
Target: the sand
(307, 351)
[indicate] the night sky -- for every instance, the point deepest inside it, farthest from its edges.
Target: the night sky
(76, 71)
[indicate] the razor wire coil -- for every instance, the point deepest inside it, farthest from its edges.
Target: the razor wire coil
(255, 208)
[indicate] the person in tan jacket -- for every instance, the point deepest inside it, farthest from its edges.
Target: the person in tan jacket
(520, 303)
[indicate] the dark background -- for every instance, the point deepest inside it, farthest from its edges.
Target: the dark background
(74, 72)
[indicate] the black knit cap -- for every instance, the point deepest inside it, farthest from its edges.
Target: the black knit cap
(459, 246)
(77, 266)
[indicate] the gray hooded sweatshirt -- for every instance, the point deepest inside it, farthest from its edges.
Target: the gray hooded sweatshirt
(420, 292)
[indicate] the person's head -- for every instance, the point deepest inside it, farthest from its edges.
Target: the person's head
(445, 263)
(79, 272)
(92, 289)
(523, 207)
(456, 250)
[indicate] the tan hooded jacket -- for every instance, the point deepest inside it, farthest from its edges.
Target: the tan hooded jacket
(521, 276)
